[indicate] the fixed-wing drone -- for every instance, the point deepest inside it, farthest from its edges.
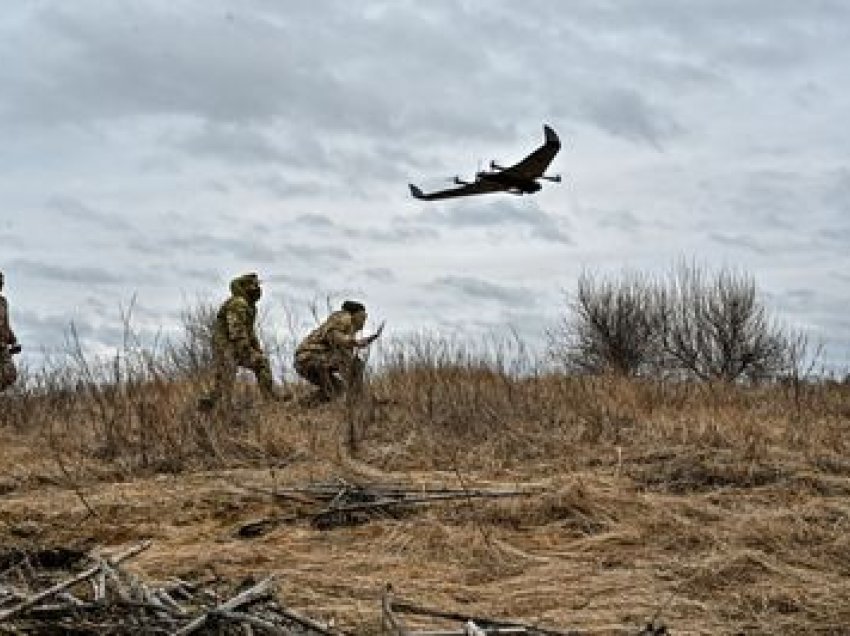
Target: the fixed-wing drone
(521, 178)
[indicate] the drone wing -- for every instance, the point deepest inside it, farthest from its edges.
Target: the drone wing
(535, 164)
(479, 187)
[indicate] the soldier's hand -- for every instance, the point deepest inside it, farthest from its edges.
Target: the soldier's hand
(365, 342)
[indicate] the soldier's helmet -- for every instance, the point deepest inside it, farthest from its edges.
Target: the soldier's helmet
(357, 311)
(247, 286)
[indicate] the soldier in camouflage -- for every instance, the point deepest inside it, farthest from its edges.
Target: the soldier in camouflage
(235, 343)
(8, 344)
(327, 356)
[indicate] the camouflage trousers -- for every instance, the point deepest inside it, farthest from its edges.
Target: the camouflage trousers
(8, 372)
(331, 374)
(225, 366)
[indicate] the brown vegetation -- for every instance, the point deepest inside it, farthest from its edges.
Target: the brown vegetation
(716, 507)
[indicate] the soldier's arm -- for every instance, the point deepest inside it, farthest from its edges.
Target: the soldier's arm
(341, 333)
(338, 332)
(341, 339)
(349, 340)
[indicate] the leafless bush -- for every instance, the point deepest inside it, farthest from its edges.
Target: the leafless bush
(192, 354)
(612, 325)
(716, 328)
(691, 325)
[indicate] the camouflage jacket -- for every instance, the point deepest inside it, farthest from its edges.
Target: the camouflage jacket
(234, 328)
(336, 336)
(7, 336)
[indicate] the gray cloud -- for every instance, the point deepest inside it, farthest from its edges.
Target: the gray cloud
(543, 226)
(316, 253)
(837, 192)
(799, 297)
(299, 282)
(12, 238)
(738, 241)
(232, 143)
(393, 235)
(835, 238)
(262, 62)
(626, 113)
(55, 332)
(142, 62)
(207, 276)
(204, 244)
(774, 198)
(247, 248)
(842, 276)
(397, 232)
(63, 274)
(469, 286)
(37, 330)
(72, 208)
(281, 186)
(380, 274)
(320, 221)
(622, 220)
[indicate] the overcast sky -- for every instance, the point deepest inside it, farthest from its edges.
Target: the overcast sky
(154, 149)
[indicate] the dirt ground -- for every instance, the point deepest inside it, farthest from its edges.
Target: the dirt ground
(699, 538)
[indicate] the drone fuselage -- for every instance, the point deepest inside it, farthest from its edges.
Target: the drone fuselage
(511, 182)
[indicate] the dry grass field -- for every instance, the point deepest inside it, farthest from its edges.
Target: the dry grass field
(715, 509)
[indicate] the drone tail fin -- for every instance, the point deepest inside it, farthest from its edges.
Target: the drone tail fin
(551, 137)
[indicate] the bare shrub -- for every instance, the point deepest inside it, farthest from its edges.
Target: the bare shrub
(192, 354)
(692, 324)
(717, 327)
(612, 326)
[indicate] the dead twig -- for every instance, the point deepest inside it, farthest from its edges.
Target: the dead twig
(239, 617)
(389, 619)
(308, 622)
(406, 607)
(254, 593)
(82, 576)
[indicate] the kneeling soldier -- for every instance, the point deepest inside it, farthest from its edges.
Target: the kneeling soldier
(327, 356)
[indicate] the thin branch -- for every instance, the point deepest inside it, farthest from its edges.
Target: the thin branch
(82, 576)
